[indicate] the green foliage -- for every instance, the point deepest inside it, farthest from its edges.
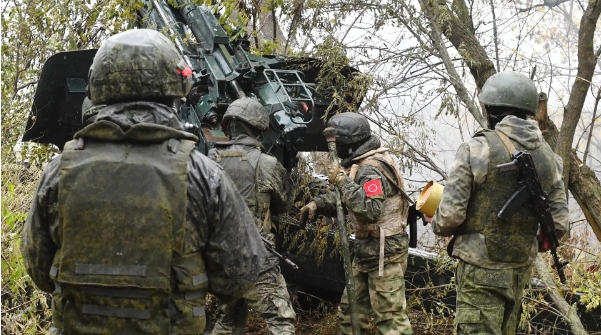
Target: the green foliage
(335, 80)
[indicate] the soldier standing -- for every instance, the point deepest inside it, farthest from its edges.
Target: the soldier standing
(130, 227)
(495, 257)
(268, 190)
(371, 189)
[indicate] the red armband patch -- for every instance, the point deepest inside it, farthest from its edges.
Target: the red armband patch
(373, 188)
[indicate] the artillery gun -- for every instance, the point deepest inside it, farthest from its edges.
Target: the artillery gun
(223, 71)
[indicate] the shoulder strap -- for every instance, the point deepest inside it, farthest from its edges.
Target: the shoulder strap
(224, 154)
(506, 142)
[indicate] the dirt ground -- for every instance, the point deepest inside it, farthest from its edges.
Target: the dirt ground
(322, 320)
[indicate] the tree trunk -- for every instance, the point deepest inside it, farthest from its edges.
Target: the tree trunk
(460, 32)
(583, 184)
(586, 66)
(567, 311)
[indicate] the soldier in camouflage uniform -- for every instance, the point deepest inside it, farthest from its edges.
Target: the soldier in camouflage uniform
(268, 190)
(130, 227)
(495, 257)
(371, 189)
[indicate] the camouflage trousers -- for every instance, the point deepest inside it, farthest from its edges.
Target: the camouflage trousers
(384, 297)
(269, 297)
(489, 301)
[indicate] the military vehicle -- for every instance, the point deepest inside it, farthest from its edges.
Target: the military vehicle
(224, 70)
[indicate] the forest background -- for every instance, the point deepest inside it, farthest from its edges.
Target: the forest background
(422, 63)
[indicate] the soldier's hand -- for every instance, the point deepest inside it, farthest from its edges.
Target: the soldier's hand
(335, 174)
(307, 213)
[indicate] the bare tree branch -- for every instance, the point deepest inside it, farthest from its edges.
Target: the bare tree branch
(495, 35)
(546, 3)
(453, 75)
(592, 125)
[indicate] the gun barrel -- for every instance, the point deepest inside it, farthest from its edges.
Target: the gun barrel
(168, 24)
(270, 248)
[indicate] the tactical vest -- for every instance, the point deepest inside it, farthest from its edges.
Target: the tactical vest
(121, 268)
(393, 219)
(506, 241)
(241, 164)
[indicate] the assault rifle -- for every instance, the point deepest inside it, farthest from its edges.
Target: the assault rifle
(277, 254)
(529, 189)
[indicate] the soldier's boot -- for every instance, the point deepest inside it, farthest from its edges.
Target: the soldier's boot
(232, 320)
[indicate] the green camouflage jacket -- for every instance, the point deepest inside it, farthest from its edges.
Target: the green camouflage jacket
(468, 173)
(354, 199)
(218, 224)
(263, 182)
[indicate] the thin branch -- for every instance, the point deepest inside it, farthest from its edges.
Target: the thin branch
(495, 35)
(590, 133)
(454, 77)
(569, 313)
(25, 85)
(546, 3)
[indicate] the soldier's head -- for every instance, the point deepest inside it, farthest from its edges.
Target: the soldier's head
(352, 130)
(508, 93)
(138, 65)
(245, 116)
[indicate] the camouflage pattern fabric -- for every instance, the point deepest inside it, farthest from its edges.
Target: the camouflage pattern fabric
(489, 301)
(138, 64)
(270, 192)
(218, 226)
(489, 292)
(384, 297)
(469, 172)
(270, 298)
(248, 110)
(505, 240)
(366, 250)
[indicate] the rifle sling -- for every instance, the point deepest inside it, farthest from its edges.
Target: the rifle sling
(506, 141)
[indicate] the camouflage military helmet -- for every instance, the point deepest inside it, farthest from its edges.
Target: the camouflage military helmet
(248, 110)
(136, 65)
(351, 128)
(510, 89)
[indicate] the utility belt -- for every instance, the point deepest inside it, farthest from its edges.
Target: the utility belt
(363, 231)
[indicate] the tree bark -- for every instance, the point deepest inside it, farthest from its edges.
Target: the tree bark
(567, 311)
(583, 184)
(463, 39)
(586, 66)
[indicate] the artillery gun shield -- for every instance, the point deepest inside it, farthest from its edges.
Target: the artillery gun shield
(56, 111)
